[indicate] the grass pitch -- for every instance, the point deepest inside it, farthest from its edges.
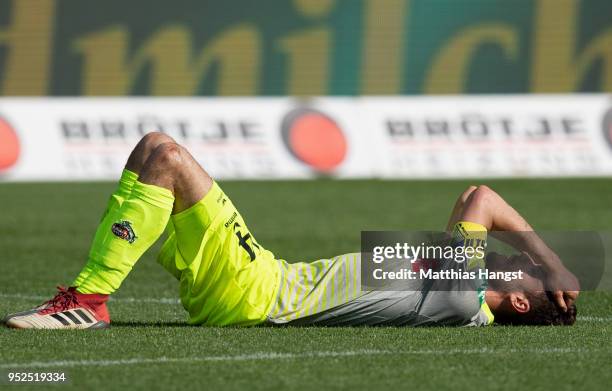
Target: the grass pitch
(45, 230)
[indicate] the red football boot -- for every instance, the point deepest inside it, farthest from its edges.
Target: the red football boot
(69, 309)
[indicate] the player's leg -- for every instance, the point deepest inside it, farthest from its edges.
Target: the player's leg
(129, 176)
(141, 152)
(170, 181)
(226, 277)
(138, 221)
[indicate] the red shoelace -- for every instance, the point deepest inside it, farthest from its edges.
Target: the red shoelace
(64, 299)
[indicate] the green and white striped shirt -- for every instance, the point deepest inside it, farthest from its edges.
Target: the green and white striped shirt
(328, 292)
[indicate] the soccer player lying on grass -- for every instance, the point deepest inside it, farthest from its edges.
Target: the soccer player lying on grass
(227, 278)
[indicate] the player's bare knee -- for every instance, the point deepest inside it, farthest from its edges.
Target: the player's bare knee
(145, 148)
(152, 140)
(168, 156)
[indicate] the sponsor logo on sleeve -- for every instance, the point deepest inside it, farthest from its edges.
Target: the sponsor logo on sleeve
(123, 230)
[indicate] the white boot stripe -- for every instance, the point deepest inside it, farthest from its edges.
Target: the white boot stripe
(74, 318)
(48, 322)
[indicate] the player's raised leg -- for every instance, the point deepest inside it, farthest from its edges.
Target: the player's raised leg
(170, 181)
(160, 177)
(129, 176)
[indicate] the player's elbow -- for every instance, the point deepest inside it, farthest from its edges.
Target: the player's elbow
(482, 195)
(466, 194)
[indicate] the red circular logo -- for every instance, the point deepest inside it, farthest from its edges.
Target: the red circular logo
(9, 145)
(315, 139)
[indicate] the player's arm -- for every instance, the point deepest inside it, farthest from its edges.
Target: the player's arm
(458, 208)
(484, 206)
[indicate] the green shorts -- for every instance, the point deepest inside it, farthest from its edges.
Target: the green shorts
(226, 277)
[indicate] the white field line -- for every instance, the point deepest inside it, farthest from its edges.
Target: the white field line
(285, 356)
(168, 300)
(595, 318)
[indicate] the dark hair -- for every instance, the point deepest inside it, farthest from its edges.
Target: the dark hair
(542, 312)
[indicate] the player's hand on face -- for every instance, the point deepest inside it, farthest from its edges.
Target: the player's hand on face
(564, 286)
(561, 282)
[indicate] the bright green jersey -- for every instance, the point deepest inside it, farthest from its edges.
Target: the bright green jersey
(226, 277)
